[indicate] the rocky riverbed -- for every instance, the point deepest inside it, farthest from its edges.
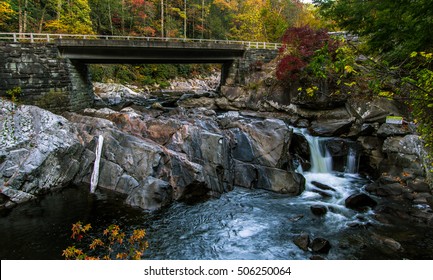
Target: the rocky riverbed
(202, 146)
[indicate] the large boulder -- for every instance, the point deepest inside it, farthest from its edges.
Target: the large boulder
(375, 110)
(191, 156)
(117, 94)
(39, 151)
(331, 127)
(151, 195)
(263, 142)
(272, 179)
(404, 156)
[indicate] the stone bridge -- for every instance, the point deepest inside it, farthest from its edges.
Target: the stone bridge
(51, 69)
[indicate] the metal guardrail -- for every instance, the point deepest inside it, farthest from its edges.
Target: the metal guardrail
(50, 38)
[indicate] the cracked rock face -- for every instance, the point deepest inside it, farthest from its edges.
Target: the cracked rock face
(185, 155)
(38, 151)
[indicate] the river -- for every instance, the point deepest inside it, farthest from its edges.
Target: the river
(242, 224)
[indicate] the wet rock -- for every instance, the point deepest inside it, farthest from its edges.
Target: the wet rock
(331, 127)
(387, 244)
(375, 110)
(302, 123)
(386, 190)
(296, 218)
(322, 186)
(128, 159)
(302, 241)
(151, 195)
(320, 245)
(429, 201)
(273, 179)
(359, 202)
(243, 149)
(204, 102)
(117, 94)
(319, 210)
(418, 185)
(387, 130)
(268, 141)
(367, 129)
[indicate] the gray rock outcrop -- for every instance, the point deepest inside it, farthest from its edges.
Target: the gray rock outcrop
(39, 151)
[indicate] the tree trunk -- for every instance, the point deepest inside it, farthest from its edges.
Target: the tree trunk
(162, 18)
(184, 19)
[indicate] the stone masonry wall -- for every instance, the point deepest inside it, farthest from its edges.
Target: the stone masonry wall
(45, 79)
(252, 60)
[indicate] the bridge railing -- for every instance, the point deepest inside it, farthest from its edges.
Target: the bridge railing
(51, 38)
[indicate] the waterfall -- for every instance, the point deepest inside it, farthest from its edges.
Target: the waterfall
(320, 158)
(95, 174)
(352, 161)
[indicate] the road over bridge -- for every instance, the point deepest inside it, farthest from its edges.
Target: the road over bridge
(56, 64)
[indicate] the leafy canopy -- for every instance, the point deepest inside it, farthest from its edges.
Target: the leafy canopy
(393, 28)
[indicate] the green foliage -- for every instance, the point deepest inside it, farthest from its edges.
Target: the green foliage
(393, 28)
(420, 82)
(14, 93)
(146, 74)
(53, 99)
(113, 238)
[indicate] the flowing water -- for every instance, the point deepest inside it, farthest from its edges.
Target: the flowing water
(242, 224)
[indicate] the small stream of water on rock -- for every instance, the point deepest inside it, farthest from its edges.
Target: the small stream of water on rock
(241, 224)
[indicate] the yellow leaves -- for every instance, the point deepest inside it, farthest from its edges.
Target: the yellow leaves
(6, 12)
(121, 256)
(137, 235)
(78, 230)
(427, 56)
(352, 84)
(349, 69)
(95, 243)
(230, 5)
(71, 253)
(386, 94)
(311, 91)
(113, 240)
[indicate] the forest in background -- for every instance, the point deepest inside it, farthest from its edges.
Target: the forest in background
(249, 20)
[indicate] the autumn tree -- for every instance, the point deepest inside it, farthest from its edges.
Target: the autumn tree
(6, 13)
(72, 17)
(394, 28)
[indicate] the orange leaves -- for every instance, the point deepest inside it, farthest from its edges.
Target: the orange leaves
(78, 230)
(113, 241)
(95, 243)
(114, 234)
(71, 253)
